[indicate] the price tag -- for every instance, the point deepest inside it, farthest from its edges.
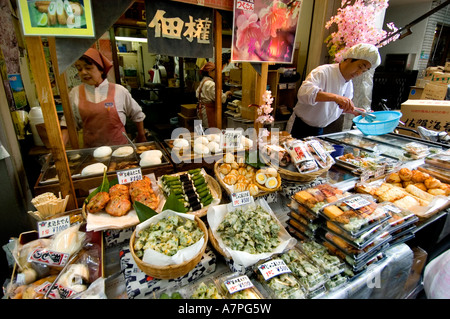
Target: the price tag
(393, 209)
(238, 284)
(365, 175)
(50, 227)
(230, 139)
(241, 198)
(48, 257)
(379, 171)
(357, 202)
(273, 268)
(129, 175)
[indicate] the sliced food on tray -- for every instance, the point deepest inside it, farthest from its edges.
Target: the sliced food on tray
(318, 196)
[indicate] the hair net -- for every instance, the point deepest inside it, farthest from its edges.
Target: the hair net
(364, 51)
(99, 58)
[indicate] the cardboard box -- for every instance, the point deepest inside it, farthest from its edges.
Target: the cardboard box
(441, 77)
(434, 91)
(420, 83)
(189, 110)
(187, 122)
(415, 93)
(431, 114)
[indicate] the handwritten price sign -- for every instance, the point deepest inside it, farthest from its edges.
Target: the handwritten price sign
(273, 268)
(50, 227)
(241, 198)
(247, 5)
(129, 175)
(238, 283)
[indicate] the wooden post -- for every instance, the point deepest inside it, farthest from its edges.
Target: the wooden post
(63, 92)
(45, 95)
(261, 84)
(218, 59)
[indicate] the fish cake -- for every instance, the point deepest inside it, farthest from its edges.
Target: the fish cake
(98, 202)
(118, 206)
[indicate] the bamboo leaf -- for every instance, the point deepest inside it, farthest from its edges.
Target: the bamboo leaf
(143, 212)
(104, 187)
(173, 203)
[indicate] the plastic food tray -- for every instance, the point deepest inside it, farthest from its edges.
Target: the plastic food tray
(381, 241)
(300, 227)
(310, 276)
(318, 253)
(357, 219)
(290, 286)
(303, 210)
(400, 218)
(246, 293)
(312, 226)
(360, 242)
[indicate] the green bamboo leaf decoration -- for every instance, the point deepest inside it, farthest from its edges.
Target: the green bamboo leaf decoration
(143, 212)
(174, 204)
(104, 187)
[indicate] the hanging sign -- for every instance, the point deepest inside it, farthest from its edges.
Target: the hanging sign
(61, 18)
(264, 31)
(179, 29)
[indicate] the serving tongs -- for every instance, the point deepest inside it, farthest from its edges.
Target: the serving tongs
(132, 145)
(370, 117)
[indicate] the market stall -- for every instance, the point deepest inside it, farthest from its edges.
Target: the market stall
(230, 215)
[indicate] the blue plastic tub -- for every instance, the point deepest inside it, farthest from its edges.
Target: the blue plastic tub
(385, 122)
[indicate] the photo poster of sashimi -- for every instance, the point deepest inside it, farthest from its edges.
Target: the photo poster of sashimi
(62, 18)
(264, 30)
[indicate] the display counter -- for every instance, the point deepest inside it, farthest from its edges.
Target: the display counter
(367, 252)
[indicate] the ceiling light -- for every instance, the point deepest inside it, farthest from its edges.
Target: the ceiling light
(131, 39)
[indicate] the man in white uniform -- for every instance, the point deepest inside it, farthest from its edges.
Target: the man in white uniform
(327, 91)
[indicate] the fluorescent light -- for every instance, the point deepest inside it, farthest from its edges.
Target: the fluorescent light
(131, 39)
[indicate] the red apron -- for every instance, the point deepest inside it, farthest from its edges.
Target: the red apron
(101, 122)
(210, 110)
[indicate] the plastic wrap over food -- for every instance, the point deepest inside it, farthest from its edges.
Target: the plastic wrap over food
(436, 279)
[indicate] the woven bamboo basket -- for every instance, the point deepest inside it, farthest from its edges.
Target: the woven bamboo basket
(216, 245)
(216, 192)
(262, 192)
(171, 271)
(264, 188)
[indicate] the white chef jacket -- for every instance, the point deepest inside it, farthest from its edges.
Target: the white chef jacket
(327, 78)
(125, 104)
(209, 91)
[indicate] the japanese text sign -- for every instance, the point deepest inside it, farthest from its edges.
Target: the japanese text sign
(179, 29)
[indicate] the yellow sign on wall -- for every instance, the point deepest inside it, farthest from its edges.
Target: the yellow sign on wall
(59, 18)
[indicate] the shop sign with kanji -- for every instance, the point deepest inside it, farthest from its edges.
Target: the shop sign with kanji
(179, 29)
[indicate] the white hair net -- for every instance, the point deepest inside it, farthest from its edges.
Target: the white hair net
(364, 51)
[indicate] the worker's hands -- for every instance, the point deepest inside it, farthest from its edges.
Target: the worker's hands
(345, 104)
(357, 113)
(228, 94)
(141, 138)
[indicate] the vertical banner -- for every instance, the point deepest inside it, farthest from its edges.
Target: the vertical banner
(179, 29)
(264, 30)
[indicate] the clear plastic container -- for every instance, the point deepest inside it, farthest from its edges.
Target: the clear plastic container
(205, 289)
(238, 286)
(335, 282)
(382, 241)
(318, 253)
(297, 234)
(355, 214)
(300, 227)
(312, 226)
(310, 276)
(277, 280)
(315, 198)
(400, 219)
(303, 210)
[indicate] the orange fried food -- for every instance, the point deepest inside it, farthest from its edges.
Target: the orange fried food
(118, 206)
(148, 199)
(118, 190)
(98, 202)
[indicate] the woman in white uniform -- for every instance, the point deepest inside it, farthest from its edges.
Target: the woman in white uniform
(327, 91)
(101, 108)
(206, 95)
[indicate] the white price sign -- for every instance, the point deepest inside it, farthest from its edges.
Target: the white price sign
(239, 283)
(50, 227)
(129, 175)
(241, 198)
(357, 202)
(230, 139)
(273, 268)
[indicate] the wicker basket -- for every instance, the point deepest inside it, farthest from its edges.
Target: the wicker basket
(264, 188)
(216, 245)
(227, 189)
(216, 192)
(171, 271)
